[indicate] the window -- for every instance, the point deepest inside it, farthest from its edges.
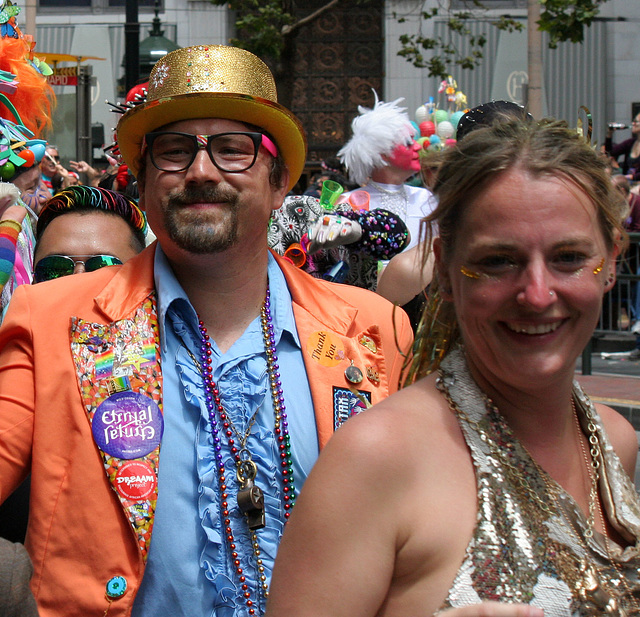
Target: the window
(63, 3)
(463, 5)
(91, 4)
(149, 3)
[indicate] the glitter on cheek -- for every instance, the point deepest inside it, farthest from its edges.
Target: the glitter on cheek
(469, 273)
(599, 267)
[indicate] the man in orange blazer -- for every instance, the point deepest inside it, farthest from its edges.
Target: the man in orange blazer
(206, 348)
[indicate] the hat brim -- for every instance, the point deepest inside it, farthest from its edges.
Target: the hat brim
(276, 120)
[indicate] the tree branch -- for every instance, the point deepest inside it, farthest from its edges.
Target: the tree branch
(289, 29)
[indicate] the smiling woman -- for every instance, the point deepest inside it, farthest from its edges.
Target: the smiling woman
(517, 193)
(491, 485)
(525, 278)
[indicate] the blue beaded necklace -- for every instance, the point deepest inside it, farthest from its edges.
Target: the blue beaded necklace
(245, 468)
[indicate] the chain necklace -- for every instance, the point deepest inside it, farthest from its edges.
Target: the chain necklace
(590, 588)
(250, 496)
(393, 201)
(592, 463)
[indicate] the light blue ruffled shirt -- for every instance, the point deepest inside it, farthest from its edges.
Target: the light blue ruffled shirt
(189, 570)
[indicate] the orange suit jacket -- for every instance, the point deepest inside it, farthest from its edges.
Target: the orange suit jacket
(78, 535)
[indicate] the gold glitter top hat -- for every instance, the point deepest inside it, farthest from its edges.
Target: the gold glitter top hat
(213, 81)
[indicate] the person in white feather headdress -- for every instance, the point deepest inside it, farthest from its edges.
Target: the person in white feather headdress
(381, 156)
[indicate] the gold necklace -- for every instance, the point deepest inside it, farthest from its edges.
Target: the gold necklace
(598, 595)
(591, 590)
(592, 463)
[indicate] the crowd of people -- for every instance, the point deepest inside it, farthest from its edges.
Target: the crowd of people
(196, 308)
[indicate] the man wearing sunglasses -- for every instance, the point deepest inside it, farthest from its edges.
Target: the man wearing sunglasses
(171, 408)
(85, 228)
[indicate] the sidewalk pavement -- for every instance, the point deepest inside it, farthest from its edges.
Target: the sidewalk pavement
(615, 377)
(622, 392)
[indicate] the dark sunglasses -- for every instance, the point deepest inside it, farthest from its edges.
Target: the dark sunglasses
(55, 266)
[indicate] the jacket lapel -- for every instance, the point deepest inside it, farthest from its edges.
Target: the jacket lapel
(119, 376)
(345, 365)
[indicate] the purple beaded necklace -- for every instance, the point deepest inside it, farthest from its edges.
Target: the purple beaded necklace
(245, 468)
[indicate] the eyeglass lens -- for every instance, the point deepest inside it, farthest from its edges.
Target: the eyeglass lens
(55, 266)
(230, 152)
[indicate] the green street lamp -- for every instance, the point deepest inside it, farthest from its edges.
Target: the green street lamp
(154, 47)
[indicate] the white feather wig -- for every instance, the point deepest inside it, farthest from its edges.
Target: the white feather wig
(376, 132)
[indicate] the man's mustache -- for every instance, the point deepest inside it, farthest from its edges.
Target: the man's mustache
(202, 195)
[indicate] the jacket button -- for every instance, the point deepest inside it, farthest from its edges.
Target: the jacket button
(116, 587)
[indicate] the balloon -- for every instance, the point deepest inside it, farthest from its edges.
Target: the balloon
(455, 118)
(424, 142)
(435, 147)
(28, 156)
(441, 115)
(445, 129)
(38, 151)
(427, 128)
(416, 130)
(450, 142)
(7, 171)
(421, 114)
(435, 140)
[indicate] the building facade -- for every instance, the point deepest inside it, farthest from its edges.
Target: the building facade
(351, 50)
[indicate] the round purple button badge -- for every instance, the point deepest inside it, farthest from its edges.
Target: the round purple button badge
(127, 425)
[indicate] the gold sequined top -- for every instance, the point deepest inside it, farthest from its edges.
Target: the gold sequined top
(529, 544)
